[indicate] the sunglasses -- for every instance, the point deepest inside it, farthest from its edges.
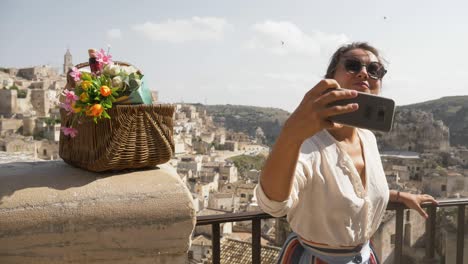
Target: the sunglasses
(375, 70)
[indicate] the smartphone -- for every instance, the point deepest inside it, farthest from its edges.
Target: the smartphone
(374, 112)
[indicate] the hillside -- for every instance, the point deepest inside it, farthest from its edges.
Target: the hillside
(453, 111)
(247, 118)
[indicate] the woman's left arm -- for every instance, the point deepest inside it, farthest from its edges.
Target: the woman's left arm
(412, 201)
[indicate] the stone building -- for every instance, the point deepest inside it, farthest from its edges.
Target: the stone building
(179, 145)
(29, 125)
(8, 102)
(413, 238)
(16, 143)
(40, 101)
(244, 190)
(52, 132)
(6, 81)
(9, 125)
(67, 61)
(37, 72)
(223, 201)
(229, 145)
(259, 136)
(203, 189)
(47, 149)
(192, 163)
(227, 173)
(200, 251)
(435, 184)
(408, 165)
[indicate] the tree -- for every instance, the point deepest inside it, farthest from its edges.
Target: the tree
(22, 93)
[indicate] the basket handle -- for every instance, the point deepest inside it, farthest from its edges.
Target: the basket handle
(121, 63)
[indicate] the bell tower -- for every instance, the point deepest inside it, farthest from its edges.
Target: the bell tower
(67, 62)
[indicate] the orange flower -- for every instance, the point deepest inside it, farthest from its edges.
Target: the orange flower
(75, 108)
(105, 91)
(84, 97)
(95, 110)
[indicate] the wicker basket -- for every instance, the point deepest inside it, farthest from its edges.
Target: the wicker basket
(136, 136)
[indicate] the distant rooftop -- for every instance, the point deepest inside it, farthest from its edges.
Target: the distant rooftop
(240, 252)
(400, 154)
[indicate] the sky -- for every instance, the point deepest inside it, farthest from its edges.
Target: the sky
(261, 53)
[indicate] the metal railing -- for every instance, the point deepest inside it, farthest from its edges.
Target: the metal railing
(256, 217)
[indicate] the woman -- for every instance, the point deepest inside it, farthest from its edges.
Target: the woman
(328, 178)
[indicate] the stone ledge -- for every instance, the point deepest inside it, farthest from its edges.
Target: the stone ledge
(51, 212)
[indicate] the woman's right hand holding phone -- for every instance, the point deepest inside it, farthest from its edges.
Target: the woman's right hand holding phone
(311, 116)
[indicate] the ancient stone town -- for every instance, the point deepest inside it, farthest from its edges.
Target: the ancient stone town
(424, 162)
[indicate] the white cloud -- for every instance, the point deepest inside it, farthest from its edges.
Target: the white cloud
(114, 33)
(285, 37)
(181, 30)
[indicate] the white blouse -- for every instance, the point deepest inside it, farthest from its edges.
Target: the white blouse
(328, 203)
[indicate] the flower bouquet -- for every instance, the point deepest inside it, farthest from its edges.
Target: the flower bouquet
(108, 119)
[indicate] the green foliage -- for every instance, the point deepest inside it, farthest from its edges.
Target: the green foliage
(51, 121)
(244, 163)
(22, 94)
(14, 87)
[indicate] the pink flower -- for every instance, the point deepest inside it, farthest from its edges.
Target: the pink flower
(67, 106)
(103, 58)
(69, 131)
(70, 96)
(70, 99)
(76, 74)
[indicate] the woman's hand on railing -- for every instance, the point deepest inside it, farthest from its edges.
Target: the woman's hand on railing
(414, 201)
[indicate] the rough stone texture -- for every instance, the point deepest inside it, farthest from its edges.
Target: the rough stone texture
(53, 213)
(415, 130)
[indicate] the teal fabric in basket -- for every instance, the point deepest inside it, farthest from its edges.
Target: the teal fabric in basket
(142, 95)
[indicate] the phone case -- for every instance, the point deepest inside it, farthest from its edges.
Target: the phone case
(374, 113)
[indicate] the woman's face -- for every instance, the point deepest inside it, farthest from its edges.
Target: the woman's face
(357, 80)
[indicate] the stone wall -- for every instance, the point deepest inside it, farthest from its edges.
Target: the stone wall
(8, 102)
(415, 130)
(40, 101)
(51, 212)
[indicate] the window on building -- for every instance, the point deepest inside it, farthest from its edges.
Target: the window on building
(392, 239)
(408, 215)
(44, 152)
(242, 195)
(443, 188)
